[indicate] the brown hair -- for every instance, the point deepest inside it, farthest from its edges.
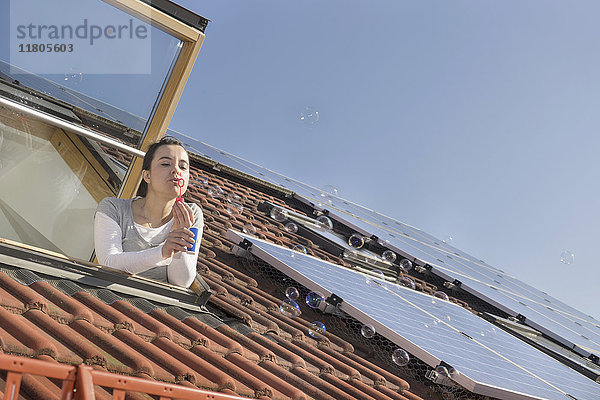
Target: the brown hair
(165, 141)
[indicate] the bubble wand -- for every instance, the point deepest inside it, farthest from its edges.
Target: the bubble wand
(180, 183)
(194, 230)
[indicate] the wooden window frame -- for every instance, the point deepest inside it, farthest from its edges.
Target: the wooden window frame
(192, 40)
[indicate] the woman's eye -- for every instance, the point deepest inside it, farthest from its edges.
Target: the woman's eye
(165, 164)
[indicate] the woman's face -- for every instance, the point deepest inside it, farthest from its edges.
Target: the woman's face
(170, 163)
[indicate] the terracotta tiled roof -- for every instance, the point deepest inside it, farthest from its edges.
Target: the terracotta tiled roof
(249, 348)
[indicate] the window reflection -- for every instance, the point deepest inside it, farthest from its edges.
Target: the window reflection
(51, 184)
(113, 90)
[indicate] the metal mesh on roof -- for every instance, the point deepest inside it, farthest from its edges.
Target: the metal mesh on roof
(106, 296)
(143, 304)
(67, 287)
(24, 276)
(240, 327)
(208, 318)
(178, 313)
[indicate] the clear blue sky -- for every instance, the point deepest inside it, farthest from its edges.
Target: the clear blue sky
(473, 119)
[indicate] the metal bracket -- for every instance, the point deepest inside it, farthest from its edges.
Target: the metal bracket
(334, 300)
(334, 310)
(420, 269)
(449, 285)
(442, 378)
(445, 364)
(432, 375)
(246, 245)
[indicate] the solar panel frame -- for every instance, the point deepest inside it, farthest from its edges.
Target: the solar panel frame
(275, 256)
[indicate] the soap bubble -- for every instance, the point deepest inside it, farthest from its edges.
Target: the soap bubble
(400, 357)
(215, 192)
(249, 229)
(73, 78)
(368, 331)
(203, 180)
(407, 282)
(371, 281)
(373, 261)
(566, 257)
(317, 329)
(442, 371)
(234, 208)
(406, 264)
(349, 253)
(389, 255)
(325, 222)
(439, 299)
(454, 373)
(314, 299)
(325, 200)
(356, 241)
(321, 226)
(488, 332)
(432, 324)
(298, 249)
(383, 243)
(329, 190)
(292, 293)
(291, 227)
(447, 239)
(309, 115)
(279, 214)
(289, 308)
(234, 198)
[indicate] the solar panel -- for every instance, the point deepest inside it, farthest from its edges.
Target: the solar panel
(563, 323)
(491, 362)
(515, 297)
(568, 326)
(558, 321)
(552, 317)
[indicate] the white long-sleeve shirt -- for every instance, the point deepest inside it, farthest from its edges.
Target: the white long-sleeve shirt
(139, 250)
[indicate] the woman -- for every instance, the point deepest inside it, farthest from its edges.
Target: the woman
(149, 235)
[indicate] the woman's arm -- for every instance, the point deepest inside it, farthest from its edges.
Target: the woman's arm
(182, 270)
(109, 248)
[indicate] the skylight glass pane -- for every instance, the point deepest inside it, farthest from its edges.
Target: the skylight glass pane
(51, 180)
(88, 54)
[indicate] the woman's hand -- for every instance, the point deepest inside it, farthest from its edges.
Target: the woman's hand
(183, 216)
(177, 240)
(180, 237)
